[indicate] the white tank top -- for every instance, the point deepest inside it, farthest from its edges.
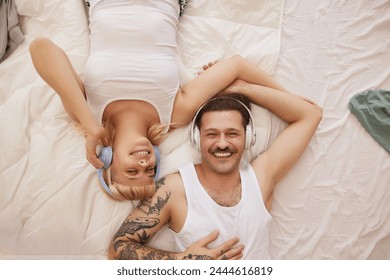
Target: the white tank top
(249, 219)
(133, 54)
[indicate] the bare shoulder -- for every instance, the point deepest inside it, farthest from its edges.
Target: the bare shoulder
(177, 200)
(171, 183)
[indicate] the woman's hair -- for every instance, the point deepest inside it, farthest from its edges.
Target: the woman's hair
(136, 192)
(122, 192)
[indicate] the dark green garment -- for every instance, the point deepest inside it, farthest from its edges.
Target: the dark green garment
(372, 109)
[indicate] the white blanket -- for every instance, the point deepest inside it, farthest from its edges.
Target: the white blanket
(334, 203)
(51, 203)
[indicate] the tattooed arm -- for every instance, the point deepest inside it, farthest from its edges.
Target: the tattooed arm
(150, 216)
(145, 220)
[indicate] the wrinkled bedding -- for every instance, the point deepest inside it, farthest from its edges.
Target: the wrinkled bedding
(52, 205)
(333, 204)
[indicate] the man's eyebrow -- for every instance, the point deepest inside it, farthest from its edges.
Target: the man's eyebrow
(212, 129)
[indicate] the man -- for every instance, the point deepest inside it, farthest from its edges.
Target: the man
(220, 194)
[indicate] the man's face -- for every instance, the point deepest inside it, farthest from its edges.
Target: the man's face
(222, 141)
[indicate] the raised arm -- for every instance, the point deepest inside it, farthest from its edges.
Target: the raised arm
(150, 216)
(54, 67)
(303, 118)
(213, 81)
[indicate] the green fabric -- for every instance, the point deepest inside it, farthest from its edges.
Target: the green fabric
(372, 109)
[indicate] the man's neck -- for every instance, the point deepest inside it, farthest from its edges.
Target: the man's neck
(224, 189)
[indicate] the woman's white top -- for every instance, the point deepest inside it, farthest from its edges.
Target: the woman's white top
(249, 219)
(132, 54)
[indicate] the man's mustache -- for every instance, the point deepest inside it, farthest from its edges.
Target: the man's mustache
(219, 150)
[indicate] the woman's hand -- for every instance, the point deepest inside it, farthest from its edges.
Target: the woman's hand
(228, 250)
(207, 66)
(94, 135)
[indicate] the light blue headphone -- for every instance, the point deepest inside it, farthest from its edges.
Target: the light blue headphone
(106, 157)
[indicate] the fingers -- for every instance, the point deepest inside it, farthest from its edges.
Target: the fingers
(91, 154)
(234, 253)
(208, 239)
(230, 250)
(94, 160)
(93, 138)
(207, 66)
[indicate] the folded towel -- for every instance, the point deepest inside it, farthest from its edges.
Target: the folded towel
(372, 109)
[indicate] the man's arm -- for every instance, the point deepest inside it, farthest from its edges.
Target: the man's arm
(150, 216)
(214, 80)
(144, 221)
(303, 118)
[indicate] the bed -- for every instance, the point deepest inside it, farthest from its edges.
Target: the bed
(332, 205)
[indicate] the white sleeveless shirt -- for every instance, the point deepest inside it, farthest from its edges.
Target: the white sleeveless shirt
(249, 219)
(133, 54)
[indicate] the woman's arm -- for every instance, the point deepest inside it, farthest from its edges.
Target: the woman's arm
(54, 67)
(213, 81)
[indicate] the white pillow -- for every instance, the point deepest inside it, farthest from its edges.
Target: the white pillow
(30, 8)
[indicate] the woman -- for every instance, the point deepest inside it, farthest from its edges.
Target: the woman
(130, 96)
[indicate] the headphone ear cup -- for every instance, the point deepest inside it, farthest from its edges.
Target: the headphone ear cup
(106, 156)
(196, 138)
(248, 137)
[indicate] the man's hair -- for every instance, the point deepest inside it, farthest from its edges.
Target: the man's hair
(226, 102)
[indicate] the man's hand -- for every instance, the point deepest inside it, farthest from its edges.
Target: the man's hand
(228, 250)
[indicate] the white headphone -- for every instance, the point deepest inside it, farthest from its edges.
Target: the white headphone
(250, 131)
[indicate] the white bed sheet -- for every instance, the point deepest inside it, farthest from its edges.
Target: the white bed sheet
(52, 206)
(332, 205)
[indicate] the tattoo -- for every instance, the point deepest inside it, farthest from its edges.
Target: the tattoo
(146, 205)
(125, 241)
(148, 208)
(130, 227)
(128, 250)
(197, 257)
(128, 241)
(157, 255)
(132, 250)
(160, 183)
(223, 256)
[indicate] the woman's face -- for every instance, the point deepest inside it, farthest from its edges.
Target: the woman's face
(133, 163)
